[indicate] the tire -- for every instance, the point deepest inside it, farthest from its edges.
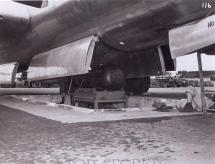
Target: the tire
(137, 86)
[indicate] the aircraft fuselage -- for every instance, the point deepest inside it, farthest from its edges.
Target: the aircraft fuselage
(127, 25)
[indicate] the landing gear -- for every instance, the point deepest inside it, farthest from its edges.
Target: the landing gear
(137, 86)
(109, 78)
(35, 85)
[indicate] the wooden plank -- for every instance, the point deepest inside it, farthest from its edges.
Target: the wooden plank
(204, 104)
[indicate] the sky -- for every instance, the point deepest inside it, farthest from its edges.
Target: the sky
(189, 63)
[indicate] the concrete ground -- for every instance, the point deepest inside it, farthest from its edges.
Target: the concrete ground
(28, 139)
(74, 114)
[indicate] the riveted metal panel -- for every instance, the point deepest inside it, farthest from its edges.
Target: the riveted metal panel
(8, 73)
(67, 60)
(192, 37)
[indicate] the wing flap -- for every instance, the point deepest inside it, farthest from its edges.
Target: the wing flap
(7, 73)
(71, 59)
(192, 37)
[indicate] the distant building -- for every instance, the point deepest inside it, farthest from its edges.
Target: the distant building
(195, 74)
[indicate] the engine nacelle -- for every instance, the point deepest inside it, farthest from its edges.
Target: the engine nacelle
(17, 22)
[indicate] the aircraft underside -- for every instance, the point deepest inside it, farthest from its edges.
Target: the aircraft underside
(90, 63)
(106, 44)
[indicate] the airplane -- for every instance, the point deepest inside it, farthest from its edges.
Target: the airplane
(103, 44)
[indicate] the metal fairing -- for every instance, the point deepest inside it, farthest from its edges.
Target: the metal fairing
(196, 36)
(70, 59)
(8, 73)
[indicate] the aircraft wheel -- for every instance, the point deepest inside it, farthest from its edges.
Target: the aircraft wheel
(137, 86)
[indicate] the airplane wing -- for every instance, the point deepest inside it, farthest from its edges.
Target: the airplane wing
(14, 23)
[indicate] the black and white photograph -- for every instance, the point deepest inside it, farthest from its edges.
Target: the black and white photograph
(107, 81)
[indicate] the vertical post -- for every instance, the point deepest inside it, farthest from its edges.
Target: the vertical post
(13, 77)
(204, 105)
